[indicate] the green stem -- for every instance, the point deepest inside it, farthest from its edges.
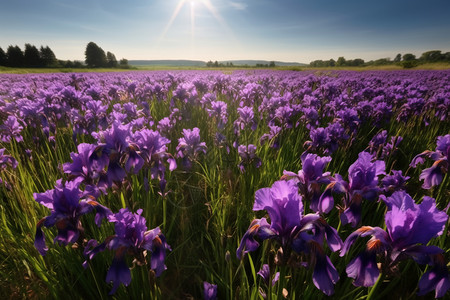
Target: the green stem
(281, 282)
(372, 291)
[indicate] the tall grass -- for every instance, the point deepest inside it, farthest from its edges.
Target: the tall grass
(204, 215)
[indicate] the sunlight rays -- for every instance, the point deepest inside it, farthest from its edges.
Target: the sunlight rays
(193, 5)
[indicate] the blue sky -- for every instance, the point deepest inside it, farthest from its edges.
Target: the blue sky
(285, 30)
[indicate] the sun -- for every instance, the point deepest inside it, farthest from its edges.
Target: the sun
(193, 6)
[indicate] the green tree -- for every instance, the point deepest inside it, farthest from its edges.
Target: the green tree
(332, 63)
(408, 57)
(111, 60)
(15, 56)
(95, 56)
(32, 57)
(48, 58)
(3, 58)
(341, 62)
(272, 64)
(123, 63)
(432, 56)
(398, 58)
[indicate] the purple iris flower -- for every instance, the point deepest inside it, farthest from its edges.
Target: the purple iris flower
(248, 157)
(87, 170)
(246, 119)
(363, 184)
(189, 146)
(409, 227)
(5, 161)
(272, 137)
(209, 291)
(309, 179)
(394, 182)
(293, 230)
(116, 144)
(266, 276)
(67, 204)
(434, 175)
(11, 128)
(437, 278)
(219, 111)
(132, 237)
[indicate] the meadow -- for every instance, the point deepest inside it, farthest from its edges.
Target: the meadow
(249, 184)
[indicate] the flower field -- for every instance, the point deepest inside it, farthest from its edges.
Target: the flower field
(250, 185)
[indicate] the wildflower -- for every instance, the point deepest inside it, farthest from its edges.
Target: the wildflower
(132, 237)
(310, 178)
(265, 274)
(248, 156)
(67, 204)
(209, 291)
(11, 128)
(293, 230)
(409, 227)
(363, 184)
(189, 146)
(433, 176)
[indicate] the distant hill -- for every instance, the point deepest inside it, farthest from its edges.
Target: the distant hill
(168, 63)
(261, 62)
(199, 63)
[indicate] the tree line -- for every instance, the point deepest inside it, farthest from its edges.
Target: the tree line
(44, 57)
(406, 60)
(31, 57)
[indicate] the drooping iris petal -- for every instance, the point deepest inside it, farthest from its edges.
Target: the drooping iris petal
(325, 275)
(363, 269)
(118, 273)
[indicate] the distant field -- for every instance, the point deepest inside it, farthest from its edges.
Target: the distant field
(7, 70)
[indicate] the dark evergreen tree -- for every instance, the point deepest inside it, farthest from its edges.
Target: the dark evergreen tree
(111, 60)
(3, 58)
(95, 56)
(48, 58)
(32, 57)
(15, 56)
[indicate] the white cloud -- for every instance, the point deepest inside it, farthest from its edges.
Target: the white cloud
(238, 5)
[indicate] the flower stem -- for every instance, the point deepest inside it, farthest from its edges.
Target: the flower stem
(372, 291)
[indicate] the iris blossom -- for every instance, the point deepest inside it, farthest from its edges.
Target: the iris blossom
(362, 184)
(189, 146)
(409, 227)
(434, 175)
(293, 231)
(209, 291)
(309, 179)
(248, 157)
(133, 238)
(67, 204)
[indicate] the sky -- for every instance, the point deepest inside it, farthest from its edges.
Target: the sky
(282, 30)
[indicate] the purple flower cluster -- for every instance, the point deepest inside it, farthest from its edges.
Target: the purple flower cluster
(131, 238)
(433, 176)
(294, 231)
(409, 227)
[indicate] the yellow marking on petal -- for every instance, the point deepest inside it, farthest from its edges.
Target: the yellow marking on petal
(253, 228)
(157, 241)
(364, 229)
(330, 185)
(437, 162)
(374, 244)
(92, 202)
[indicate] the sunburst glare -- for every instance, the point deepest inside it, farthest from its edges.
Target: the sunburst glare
(194, 5)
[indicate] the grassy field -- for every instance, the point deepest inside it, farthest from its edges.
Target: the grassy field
(206, 208)
(7, 70)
